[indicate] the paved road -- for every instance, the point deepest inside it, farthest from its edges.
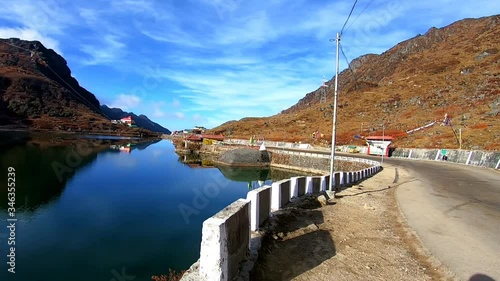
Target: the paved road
(455, 210)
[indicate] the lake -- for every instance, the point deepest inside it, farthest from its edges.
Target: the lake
(109, 210)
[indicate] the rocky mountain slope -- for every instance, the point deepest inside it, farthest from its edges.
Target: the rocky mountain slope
(37, 92)
(140, 120)
(452, 70)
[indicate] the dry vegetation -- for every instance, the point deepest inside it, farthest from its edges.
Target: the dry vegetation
(453, 70)
(38, 92)
(172, 276)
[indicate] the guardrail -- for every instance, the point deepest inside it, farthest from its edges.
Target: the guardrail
(226, 236)
(488, 159)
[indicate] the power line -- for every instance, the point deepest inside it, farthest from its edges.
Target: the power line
(349, 66)
(362, 11)
(348, 17)
(83, 99)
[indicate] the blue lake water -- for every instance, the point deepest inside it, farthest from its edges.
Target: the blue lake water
(99, 211)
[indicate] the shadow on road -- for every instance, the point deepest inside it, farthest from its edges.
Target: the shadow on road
(480, 277)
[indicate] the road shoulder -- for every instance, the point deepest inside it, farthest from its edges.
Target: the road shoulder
(361, 235)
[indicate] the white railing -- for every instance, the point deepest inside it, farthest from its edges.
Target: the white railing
(216, 262)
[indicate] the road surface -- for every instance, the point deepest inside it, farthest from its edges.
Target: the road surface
(455, 211)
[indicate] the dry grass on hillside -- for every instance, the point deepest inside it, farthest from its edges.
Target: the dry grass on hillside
(409, 86)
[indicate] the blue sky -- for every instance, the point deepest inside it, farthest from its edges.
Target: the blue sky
(185, 62)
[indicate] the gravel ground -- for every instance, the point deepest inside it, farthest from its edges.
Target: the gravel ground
(359, 235)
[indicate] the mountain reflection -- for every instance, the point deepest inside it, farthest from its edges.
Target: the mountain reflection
(44, 166)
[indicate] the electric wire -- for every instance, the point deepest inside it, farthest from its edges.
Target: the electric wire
(362, 11)
(349, 66)
(348, 17)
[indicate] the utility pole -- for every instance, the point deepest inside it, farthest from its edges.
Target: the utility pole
(460, 137)
(334, 125)
(383, 139)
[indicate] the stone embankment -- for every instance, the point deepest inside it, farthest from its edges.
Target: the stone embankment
(245, 157)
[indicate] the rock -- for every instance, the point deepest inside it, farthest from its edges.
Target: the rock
(322, 200)
(245, 157)
(312, 227)
(330, 194)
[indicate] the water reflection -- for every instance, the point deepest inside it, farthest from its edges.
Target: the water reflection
(255, 177)
(46, 165)
(94, 209)
(196, 161)
(128, 147)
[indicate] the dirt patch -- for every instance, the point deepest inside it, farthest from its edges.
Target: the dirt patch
(361, 235)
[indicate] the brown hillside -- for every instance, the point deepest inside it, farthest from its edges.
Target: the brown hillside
(38, 92)
(453, 70)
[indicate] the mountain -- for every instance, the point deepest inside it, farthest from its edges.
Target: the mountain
(452, 70)
(37, 92)
(140, 120)
(37, 89)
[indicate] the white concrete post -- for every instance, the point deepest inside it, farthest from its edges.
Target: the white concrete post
(255, 215)
(275, 196)
(323, 184)
(253, 196)
(409, 154)
(468, 158)
(309, 185)
(294, 187)
(220, 258)
(347, 178)
(438, 154)
(498, 164)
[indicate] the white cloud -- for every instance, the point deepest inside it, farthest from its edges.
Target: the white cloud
(107, 51)
(90, 16)
(158, 111)
(220, 59)
(30, 35)
(47, 17)
(180, 115)
(176, 37)
(176, 103)
(126, 102)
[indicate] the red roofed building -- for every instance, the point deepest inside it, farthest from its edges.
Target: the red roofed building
(127, 121)
(213, 137)
(193, 138)
(379, 145)
(206, 139)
